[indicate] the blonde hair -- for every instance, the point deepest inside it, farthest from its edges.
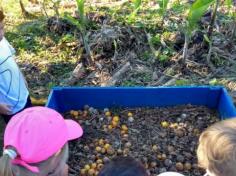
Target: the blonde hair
(217, 148)
(54, 164)
(5, 166)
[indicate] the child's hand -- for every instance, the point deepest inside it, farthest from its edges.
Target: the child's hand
(5, 109)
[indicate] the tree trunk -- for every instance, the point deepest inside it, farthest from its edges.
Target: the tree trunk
(25, 13)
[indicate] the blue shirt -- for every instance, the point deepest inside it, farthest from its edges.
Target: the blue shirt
(13, 89)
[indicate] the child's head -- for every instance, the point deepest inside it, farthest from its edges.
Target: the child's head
(217, 148)
(2, 16)
(123, 166)
(170, 174)
(35, 143)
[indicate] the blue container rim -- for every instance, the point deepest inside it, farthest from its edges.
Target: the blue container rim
(211, 96)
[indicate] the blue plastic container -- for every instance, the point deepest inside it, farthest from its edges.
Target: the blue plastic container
(64, 99)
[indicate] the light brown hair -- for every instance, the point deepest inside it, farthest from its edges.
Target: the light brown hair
(217, 148)
(53, 166)
(2, 16)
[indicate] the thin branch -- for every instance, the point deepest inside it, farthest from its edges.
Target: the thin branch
(185, 50)
(118, 74)
(213, 19)
(209, 57)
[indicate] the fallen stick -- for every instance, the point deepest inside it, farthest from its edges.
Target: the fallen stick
(77, 74)
(172, 81)
(118, 75)
(164, 76)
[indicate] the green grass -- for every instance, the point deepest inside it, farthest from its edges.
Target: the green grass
(38, 48)
(48, 56)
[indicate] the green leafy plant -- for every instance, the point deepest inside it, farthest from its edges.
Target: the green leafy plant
(163, 58)
(195, 13)
(156, 40)
(163, 9)
(214, 82)
(229, 3)
(67, 38)
(136, 7)
(182, 82)
(81, 24)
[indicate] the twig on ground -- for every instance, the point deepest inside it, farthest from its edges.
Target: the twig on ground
(118, 75)
(172, 81)
(165, 75)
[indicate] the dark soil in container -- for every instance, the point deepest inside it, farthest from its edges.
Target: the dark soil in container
(163, 139)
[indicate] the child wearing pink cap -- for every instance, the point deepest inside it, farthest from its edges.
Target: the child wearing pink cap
(36, 143)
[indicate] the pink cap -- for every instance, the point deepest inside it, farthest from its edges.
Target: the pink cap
(38, 133)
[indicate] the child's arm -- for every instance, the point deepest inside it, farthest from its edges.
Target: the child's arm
(5, 109)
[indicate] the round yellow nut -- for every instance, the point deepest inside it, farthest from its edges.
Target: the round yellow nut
(124, 127)
(100, 166)
(116, 119)
(155, 148)
(130, 114)
(107, 146)
(110, 127)
(101, 142)
(103, 151)
(108, 113)
(114, 124)
(91, 172)
(93, 166)
(83, 171)
(99, 161)
(98, 149)
(164, 124)
(122, 132)
(76, 113)
(86, 167)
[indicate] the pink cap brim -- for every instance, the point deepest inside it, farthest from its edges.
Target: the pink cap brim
(74, 129)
